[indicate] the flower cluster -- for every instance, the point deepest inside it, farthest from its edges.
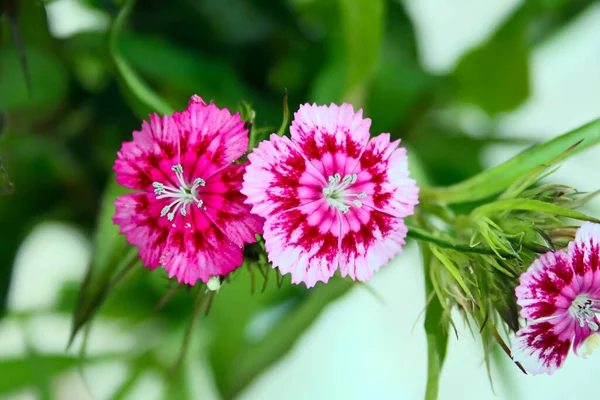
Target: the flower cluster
(328, 198)
(560, 295)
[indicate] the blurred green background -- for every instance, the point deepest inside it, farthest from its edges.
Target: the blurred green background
(65, 109)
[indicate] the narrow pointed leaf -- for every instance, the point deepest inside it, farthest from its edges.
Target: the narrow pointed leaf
(111, 254)
(497, 179)
(530, 205)
(142, 99)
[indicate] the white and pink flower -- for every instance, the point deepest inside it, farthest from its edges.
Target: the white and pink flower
(189, 215)
(560, 296)
(332, 198)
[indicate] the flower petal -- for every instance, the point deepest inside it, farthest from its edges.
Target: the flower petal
(584, 254)
(279, 178)
(212, 138)
(150, 156)
(331, 137)
(542, 347)
(545, 287)
(305, 242)
(370, 239)
(383, 176)
(224, 205)
(581, 334)
(138, 216)
(199, 251)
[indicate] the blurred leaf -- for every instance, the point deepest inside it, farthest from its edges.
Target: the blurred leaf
(496, 179)
(495, 76)
(31, 17)
(48, 80)
(330, 83)
(362, 21)
(44, 179)
(436, 331)
(143, 99)
(398, 82)
(18, 372)
(265, 327)
(111, 254)
(10, 11)
(6, 186)
(185, 71)
(279, 340)
(497, 207)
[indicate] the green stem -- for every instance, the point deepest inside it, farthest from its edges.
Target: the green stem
(286, 115)
(424, 236)
(199, 300)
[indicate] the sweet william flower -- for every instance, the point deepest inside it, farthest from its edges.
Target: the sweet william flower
(331, 198)
(188, 216)
(560, 297)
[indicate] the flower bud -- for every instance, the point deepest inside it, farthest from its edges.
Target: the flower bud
(214, 283)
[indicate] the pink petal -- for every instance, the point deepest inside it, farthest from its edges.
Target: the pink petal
(305, 242)
(584, 254)
(383, 176)
(332, 137)
(279, 178)
(151, 154)
(224, 205)
(370, 239)
(545, 287)
(200, 251)
(543, 347)
(138, 216)
(581, 334)
(211, 139)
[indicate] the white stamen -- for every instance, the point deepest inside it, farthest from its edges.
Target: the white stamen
(182, 196)
(336, 193)
(585, 310)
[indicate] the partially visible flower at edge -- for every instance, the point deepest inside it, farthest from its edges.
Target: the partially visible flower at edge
(189, 216)
(560, 294)
(331, 197)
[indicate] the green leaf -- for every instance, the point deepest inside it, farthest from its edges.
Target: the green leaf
(501, 206)
(495, 76)
(283, 336)
(398, 84)
(21, 373)
(142, 99)
(363, 23)
(419, 234)
(48, 80)
(452, 268)
(237, 355)
(111, 254)
(494, 180)
(436, 331)
(182, 71)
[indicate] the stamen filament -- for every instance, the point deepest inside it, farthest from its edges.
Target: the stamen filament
(182, 196)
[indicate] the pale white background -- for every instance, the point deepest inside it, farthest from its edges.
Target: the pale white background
(360, 347)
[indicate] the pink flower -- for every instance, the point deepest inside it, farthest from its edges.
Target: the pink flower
(189, 215)
(331, 197)
(560, 294)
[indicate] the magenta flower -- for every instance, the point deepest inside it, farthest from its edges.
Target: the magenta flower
(560, 293)
(189, 216)
(331, 197)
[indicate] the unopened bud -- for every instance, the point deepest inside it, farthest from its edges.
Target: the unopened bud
(214, 283)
